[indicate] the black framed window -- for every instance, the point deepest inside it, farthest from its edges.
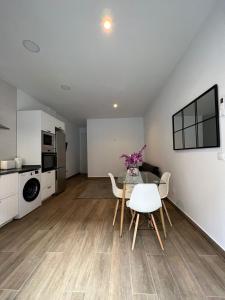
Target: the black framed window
(197, 124)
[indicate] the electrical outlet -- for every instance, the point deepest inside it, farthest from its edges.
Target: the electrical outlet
(222, 107)
(173, 191)
(221, 155)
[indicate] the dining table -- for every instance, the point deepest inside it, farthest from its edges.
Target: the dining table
(128, 180)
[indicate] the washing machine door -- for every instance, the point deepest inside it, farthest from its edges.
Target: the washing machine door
(31, 189)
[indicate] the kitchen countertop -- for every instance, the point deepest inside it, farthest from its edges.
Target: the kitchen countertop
(25, 168)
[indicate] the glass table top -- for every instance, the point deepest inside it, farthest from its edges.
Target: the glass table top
(142, 177)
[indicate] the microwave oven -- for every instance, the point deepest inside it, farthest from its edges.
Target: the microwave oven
(48, 141)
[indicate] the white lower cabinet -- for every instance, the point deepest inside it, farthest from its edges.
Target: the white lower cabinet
(47, 184)
(8, 185)
(8, 197)
(8, 209)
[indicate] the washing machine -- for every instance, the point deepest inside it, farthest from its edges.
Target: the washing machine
(29, 192)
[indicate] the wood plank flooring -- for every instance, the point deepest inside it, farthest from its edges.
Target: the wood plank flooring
(68, 250)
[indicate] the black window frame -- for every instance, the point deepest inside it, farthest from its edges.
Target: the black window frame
(216, 117)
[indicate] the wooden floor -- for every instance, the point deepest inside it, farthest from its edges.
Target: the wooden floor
(68, 250)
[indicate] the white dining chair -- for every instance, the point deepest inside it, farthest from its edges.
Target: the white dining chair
(145, 198)
(164, 191)
(118, 193)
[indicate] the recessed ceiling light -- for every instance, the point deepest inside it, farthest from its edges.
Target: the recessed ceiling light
(65, 87)
(107, 24)
(31, 46)
(115, 105)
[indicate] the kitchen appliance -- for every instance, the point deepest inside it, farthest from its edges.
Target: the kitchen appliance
(48, 141)
(29, 192)
(7, 164)
(18, 162)
(60, 161)
(48, 161)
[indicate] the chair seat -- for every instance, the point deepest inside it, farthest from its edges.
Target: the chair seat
(127, 194)
(140, 210)
(143, 211)
(118, 193)
(144, 198)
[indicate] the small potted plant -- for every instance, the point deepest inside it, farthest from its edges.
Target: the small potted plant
(133, 160)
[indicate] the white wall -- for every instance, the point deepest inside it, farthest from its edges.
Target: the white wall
(198, 177)
(26, 102)
(8, 119)
(108, 139)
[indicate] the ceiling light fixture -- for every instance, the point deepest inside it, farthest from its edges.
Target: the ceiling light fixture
(107, 24)
(115, 105)
(65, 87)
(31, 46)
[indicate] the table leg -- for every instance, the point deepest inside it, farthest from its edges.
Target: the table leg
(163, 221)
(122, 209)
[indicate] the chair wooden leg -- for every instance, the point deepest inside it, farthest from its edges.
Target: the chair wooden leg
(167, 214)
(135, 231)
(116, 209)
(132, 220)
(122, 210)
(150, 224)
(163, 221)
(157, 232)
(131, 212)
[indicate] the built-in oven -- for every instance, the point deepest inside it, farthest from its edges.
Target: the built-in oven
(48, 161)
(48, 141)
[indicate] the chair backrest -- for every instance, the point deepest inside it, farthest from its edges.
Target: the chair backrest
(164, 187)
(145, 198)
(115, 189)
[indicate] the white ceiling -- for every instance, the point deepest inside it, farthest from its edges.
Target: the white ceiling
(127, 67)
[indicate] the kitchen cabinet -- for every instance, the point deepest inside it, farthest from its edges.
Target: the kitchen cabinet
(59, 124)
(47, 184)
(29, 138)
(47, 122)
(8, 185)
(8, 197)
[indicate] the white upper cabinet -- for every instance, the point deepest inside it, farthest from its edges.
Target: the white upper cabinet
(47, 122)
(29, 126)
(59, 124)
